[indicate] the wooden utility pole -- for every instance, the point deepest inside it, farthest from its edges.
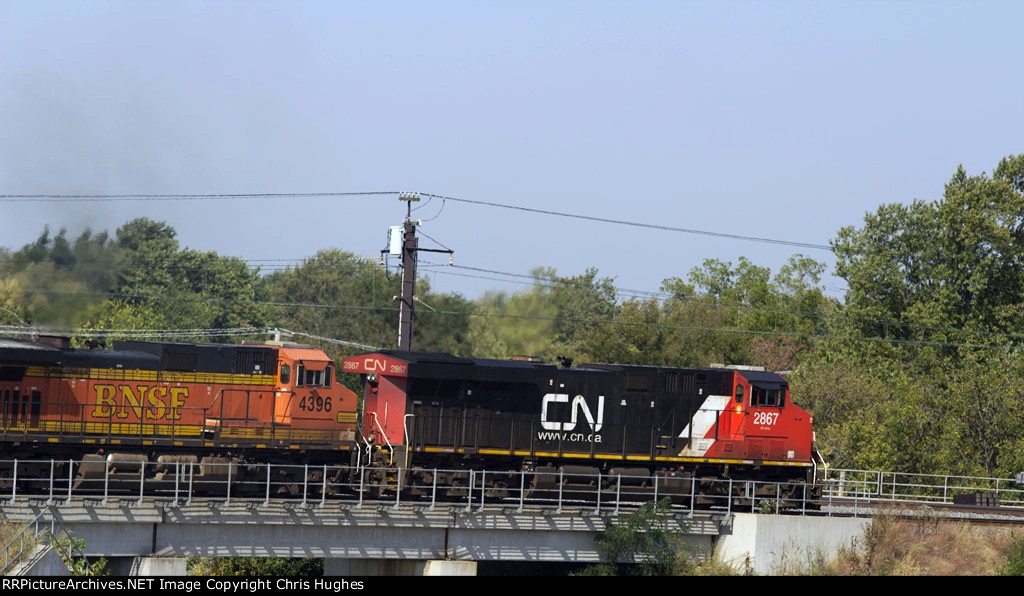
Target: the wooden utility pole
(410, 246)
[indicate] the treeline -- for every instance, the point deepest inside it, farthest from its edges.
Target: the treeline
(917, 368)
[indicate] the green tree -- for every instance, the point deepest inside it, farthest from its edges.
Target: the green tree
(582, 304)
(521, 324)
(70, 548)
(336, 294)
(723, 314)
(924, 377)
(442, 324)
(339, 295)
(545, 321)
(641, 545)
(140, 279)
(950, 270)
(255, 566)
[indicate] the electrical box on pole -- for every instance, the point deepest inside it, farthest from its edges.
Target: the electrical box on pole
(395, 234)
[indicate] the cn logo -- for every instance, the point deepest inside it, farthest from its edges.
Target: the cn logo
(578, 404)
(372, 364)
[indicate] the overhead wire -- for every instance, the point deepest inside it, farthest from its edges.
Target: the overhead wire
(444, 198)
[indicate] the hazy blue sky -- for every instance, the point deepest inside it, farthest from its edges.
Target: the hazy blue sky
(782, 120)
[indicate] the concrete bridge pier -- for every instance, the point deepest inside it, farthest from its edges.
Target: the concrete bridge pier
(147, 566)
(393, 567)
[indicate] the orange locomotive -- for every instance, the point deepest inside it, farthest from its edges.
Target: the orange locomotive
(172, 402)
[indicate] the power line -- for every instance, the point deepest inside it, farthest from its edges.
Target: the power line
(911, 342)
(170, 333)
(637, 224)
(61, 198)
(92, 198)
(547, 280)
(350, 344)
(133, 333)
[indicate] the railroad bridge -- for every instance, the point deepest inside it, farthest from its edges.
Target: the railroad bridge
(155, 536)
(144, 534)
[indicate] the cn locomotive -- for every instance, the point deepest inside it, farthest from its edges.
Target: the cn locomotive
(674, 432)
(422, 419)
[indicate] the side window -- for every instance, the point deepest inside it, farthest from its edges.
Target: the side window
(300, 375)
(739, 394)
(759, 396)
(327, 376)
(286, 374)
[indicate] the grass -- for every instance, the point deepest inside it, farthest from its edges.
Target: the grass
(923, 546)
(10, 531)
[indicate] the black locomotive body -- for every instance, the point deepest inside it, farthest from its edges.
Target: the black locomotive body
(432, 411)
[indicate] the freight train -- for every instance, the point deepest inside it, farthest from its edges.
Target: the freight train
(420, 419)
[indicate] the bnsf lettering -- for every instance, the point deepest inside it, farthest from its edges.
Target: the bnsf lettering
(155, 403)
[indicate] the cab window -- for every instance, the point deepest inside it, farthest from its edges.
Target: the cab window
(313, 377)
(286, 374)
(766, 396)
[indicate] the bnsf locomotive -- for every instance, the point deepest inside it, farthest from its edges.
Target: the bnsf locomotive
(670, 431)
(426, 419)
(171, 403)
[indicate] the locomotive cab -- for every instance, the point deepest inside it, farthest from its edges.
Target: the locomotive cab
(309, 396)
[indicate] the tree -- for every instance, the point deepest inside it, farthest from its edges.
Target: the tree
(342, 296)
(443, 323)
(723, 314)
(644, 541)
(950, 270)
(255, 566)
(582, 303)
(926, 378)
(141, 279)
(335, 294)
(547, 320)
(507, 325)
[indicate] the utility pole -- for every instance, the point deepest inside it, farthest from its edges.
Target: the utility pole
(410, 244)
(409, 247)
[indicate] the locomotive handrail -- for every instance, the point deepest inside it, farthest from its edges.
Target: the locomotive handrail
(408, 442)
(391, 456)
(369, 449)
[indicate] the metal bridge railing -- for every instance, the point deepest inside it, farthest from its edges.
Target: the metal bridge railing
(55, 482)
(934, 488)
(310, 485)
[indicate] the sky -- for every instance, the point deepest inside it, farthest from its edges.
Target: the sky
(776, 120)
